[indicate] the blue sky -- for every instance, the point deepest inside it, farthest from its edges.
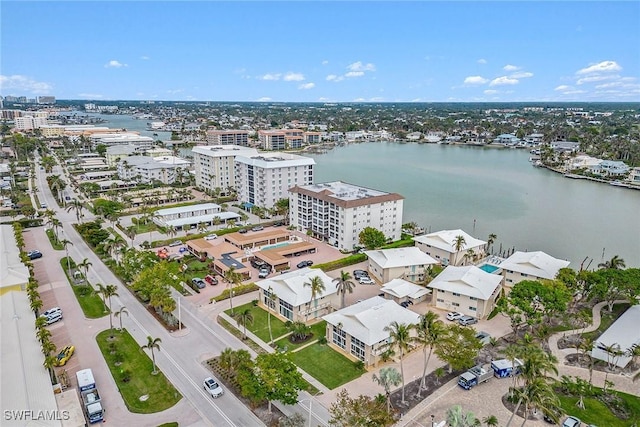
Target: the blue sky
(322, 51)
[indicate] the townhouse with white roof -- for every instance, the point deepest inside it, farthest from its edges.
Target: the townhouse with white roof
(358, 331)
(148, 169)
(337, 212)
(400, 290)
(530, 266)
(468, 290)
(292, 299)
(442, 245)
(406, 263)
(263, 179)
(214, 165)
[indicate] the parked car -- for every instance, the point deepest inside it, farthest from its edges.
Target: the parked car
(52, 311)
(175, 243)
(34, 254)
(200, 284)
(359, 273)
(454, 315)
(64, 355)
(483, 337)
(43, 205)
(571, 422)
(242, 231)
(211, 236)
(264, 272)
(210, 280)
(257, 263)
(467, 320)
(405, 304)
(303, 264)
(278, 223)
(257, 228)
(366, 280)
(52, 318)
(212, 387)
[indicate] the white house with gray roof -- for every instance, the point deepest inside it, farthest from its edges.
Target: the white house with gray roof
(468, 290)
(406, 263)
(442, 245)
(292, 299)
(358, 331)
(530, 266)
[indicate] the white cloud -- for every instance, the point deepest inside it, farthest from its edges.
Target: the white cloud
(145, 58)
(114, 64)
(307, 86)
(597, 78)
(490, 92)
(270, 76)
(23, 83)
(334, 78)
(293, 77)
(359, 100)
(563, 88)
(600, 67)
(263, 99)
(573, 92)
(325, 62)
(482, 61)
(90, 95)
(521, 75)
(475, 80)
(174, 91)
(354, 74)
(359, 66)
(510, 67)
(504, 80)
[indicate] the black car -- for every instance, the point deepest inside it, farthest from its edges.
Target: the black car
(360, 273)
(303, 264)
(242, 231)
(257, 263)
(278, 224)
(34, 254)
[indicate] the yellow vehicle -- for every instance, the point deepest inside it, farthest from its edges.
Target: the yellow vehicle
(64, 355)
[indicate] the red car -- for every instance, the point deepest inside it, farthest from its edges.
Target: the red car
(211, 280)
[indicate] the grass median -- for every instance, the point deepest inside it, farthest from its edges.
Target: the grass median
(89, 300)
(142, 392)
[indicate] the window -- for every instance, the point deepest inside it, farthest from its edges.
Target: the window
(472, 308)
(339, 337)
(440, 300)
(455, 304)
(286, 310)
(455, 294)
(473, 298)
(357, 348)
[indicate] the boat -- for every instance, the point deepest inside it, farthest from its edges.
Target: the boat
(619, 184)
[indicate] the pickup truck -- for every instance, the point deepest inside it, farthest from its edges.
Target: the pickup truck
(475, 376)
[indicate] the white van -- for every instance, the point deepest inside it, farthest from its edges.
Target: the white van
(52, 311)
(53, 318)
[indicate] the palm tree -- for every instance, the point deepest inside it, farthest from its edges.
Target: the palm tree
(243, 318)
(400, 339)
(77, 206)
(429, 329)
(490, 241)
(66, 244)
(389, 377)
(232, 278)
(119, 313)
(84, 265)
(344, 285)
(152, 343)
(615, 263)
(458, 245)
(456, 417)
(271, 300)
(110, 291)
(36, 305)
(490, 421)
(317, 288)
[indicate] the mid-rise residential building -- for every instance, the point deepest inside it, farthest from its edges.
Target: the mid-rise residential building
(280, 139)
(451, 247)
(264, 179)
(186, 217)
(228, 137)
(115, 153)
(30, 122)
(145, 142)
(214, 165)
(337, 212)
(149, 169)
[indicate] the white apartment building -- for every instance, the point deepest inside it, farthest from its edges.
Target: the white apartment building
(443, 246)
(228, 137)
(214, 165)
(144, 142)
(30, 122)
(530, 266)
(337, 212)
(147, 169)
(281, 139)
(264, 179)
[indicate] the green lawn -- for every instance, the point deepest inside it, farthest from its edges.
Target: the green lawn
(55, 243)
(260, 323)
(90, 302)
(161, 393)
(597, 413)
(326, 365)
(318, 330)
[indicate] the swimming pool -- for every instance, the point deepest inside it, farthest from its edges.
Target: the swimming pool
(488, 268)
(277, 245)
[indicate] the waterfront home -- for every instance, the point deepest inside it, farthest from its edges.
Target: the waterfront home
(610, 168)
(634, 175)
(400, 291)
(406, 263)
(468, 290)
(358, 331)
(565, 146)
(442, 245)
(581, 162)
(507, 139)
(530, 266)
(622, 336)
(186, 217)
(288, 295)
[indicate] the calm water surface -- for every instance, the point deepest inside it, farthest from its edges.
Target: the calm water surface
(486, 190)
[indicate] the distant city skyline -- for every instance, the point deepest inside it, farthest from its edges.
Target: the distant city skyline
(299, 51)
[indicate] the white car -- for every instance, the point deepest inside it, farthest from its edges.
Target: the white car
(211, 236)
(364, 280)
(454, 315)
(212, 387)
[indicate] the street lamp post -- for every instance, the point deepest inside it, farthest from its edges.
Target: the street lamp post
(433, 423)
(310, 403)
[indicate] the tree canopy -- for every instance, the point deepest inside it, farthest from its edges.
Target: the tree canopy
(372, 238)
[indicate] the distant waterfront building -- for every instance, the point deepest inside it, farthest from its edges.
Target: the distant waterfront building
(610, 168)
(337, 212)
(507, 139)
(214, 165)
(442, 246)
(30, 120)
(264, 179)
(46, 100)
(281, 139)
(147, 169)
(145, 142)
(228, 137)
